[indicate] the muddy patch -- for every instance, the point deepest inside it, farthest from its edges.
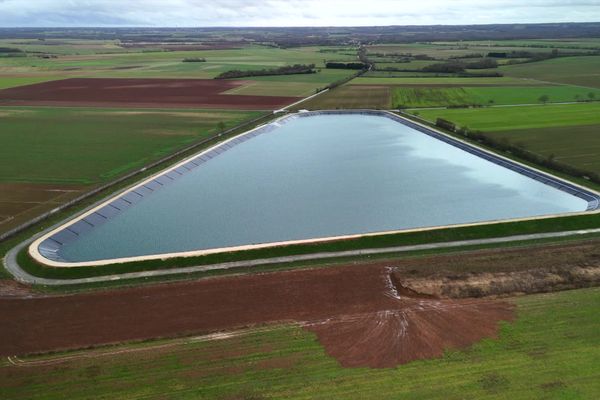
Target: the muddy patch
(413, 327)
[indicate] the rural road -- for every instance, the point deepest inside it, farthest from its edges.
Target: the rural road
(11, 265)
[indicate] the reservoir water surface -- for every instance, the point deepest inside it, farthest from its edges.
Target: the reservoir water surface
(320, 176)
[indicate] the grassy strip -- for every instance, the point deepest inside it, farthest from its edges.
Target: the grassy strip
(495, 119)
(399, 239)
(392, 258)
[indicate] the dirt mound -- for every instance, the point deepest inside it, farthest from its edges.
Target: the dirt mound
(497, 284)
(206, 93)
(415, 329)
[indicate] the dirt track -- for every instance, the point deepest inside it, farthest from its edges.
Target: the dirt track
(354, 300)
(185, 93)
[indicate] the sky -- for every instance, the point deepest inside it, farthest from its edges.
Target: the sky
(265, 13)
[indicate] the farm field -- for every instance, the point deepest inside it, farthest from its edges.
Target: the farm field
(582, 71)
(441, 50)
(494, 119)
(550, 351)
(574, 145)
(351, 96)
(74, 148)
(160, 93)
(436, 97)
(81, 107)
(583, 43)
(136, 63)
(9, 82)
(444, 81)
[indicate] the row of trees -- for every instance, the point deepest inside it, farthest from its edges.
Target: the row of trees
(343, 65)
(286, 70)
(456, 66)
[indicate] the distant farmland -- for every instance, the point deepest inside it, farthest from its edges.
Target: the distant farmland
(510, 118)
(166, 93)
(583, 71)
(442, 97)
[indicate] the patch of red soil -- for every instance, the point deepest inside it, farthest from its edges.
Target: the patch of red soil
(414, 329)
(199, 93)
(355, 311)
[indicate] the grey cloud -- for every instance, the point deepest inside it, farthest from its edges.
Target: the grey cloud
(289, 13)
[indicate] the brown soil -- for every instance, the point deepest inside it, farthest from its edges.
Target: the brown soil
(354, 310)
(186, 93)
(500, 284)
(368, 314)
(19, 202)
(409, 330)
(12, 289)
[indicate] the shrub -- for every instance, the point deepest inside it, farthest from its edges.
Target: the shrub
(445, 124)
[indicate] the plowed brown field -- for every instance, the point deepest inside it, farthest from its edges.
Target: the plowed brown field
(184, 93)
(356, 312)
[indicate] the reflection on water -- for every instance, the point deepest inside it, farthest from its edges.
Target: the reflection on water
(320, 176)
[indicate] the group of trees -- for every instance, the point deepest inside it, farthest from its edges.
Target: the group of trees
(286, 70)
(344, 65)
(591, 96)
(194, 59)
(456, 66)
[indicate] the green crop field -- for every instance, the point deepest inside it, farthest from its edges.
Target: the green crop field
(51, 155)
(579, 43)
(574, 145)
(165, 64)
(86, 146)
(435, 97)
(8, 82)
(524, 117)
(443, 81)
(583, 71)
(550, 351)
(350, 96)
(161, 64)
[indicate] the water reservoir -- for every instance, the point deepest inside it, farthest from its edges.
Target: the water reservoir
(313, 176)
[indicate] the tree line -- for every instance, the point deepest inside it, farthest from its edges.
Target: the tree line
(285, 70)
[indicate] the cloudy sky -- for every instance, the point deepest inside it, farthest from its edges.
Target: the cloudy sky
(197, 13)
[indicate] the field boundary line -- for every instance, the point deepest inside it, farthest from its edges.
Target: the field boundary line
(303, 100)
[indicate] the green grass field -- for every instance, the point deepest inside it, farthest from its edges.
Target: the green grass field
(494, 119)
(301, 85)
(87, 145)
(165, 64)
(574, 145)
(442, 97)
(444, 81)
(8, 82)
(550, 351)
(577, 43)
(583, 71)
(350, 96)
(161, 64)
